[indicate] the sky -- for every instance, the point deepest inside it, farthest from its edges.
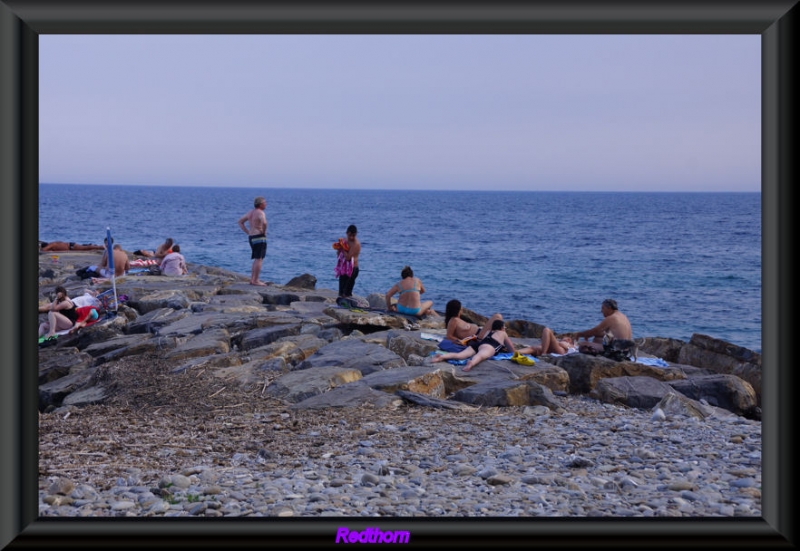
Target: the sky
(450, 112)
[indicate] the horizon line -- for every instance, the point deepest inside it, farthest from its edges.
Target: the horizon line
(313, 188)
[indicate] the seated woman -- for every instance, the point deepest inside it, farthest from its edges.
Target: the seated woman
(174, 264)
(550, 345)
(60, 246)
(493, 343)
(459, 331)
(61, 314)
(408, 302)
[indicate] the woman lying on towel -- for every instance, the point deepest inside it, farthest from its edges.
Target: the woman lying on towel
(551, 345)
(496, 341)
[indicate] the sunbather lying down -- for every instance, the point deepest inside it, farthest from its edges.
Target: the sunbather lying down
(550, 344)
(495, 341)
(61, 246)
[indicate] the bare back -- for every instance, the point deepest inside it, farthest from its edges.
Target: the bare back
(410, 289)
(256, 222)
(619, 325)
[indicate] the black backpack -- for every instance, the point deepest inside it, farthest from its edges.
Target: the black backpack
(87, 272)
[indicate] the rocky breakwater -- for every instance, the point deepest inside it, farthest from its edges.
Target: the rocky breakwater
(340, 411)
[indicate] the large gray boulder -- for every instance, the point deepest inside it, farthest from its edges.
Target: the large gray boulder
(297, 386)
(724, 357)
(635, 392)
(355, 394)
(585, 371)
(721, 390)
(354, 354)
(55, 363)
(508, 393)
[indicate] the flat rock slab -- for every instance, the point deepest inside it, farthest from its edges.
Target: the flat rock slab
(208, 343)
(297, 386)
(197, 323)
(87, 396)
(366, 318)
(431, 381)
(263, 336)
(154, 320)
(429, 401)
(55, 363)
(355, 394)
(354, 354)
(635, 392)
(508, 393)
(54, 392)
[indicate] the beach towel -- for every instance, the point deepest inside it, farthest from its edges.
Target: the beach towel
(343, 267)
(656, 362)
(501, 356)
(140, 262)
(449, 346)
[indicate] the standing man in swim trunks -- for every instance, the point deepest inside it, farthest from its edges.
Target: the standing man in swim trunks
(354, 249)
(257, 234)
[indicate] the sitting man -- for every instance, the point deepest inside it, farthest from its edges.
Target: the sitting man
(121, 263)
(613, 320)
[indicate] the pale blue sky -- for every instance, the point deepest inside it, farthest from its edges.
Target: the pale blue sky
(491, 112)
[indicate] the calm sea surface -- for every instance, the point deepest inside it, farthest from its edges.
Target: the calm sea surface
(677, 263)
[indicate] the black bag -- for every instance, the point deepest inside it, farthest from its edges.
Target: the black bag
(154, 270)
(87, 272)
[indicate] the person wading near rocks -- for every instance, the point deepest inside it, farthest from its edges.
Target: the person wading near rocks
(254, 224)
(346, 282)
(613, 320)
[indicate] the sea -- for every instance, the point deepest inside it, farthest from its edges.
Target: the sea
(676, 263)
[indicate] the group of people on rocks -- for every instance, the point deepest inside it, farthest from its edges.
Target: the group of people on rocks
(171, 261)
(480, 343)
(465, 340)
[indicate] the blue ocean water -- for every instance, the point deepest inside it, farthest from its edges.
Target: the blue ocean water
(676, 263)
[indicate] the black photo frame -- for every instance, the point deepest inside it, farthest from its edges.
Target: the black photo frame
(22, 21)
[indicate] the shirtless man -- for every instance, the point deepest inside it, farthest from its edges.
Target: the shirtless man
(354, 249)
(257, 235)
(60, 246)
(613, 320)
(121, 263)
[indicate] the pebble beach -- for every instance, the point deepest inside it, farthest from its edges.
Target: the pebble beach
(597, 460)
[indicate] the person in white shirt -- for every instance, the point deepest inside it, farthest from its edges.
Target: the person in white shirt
(174, 264)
